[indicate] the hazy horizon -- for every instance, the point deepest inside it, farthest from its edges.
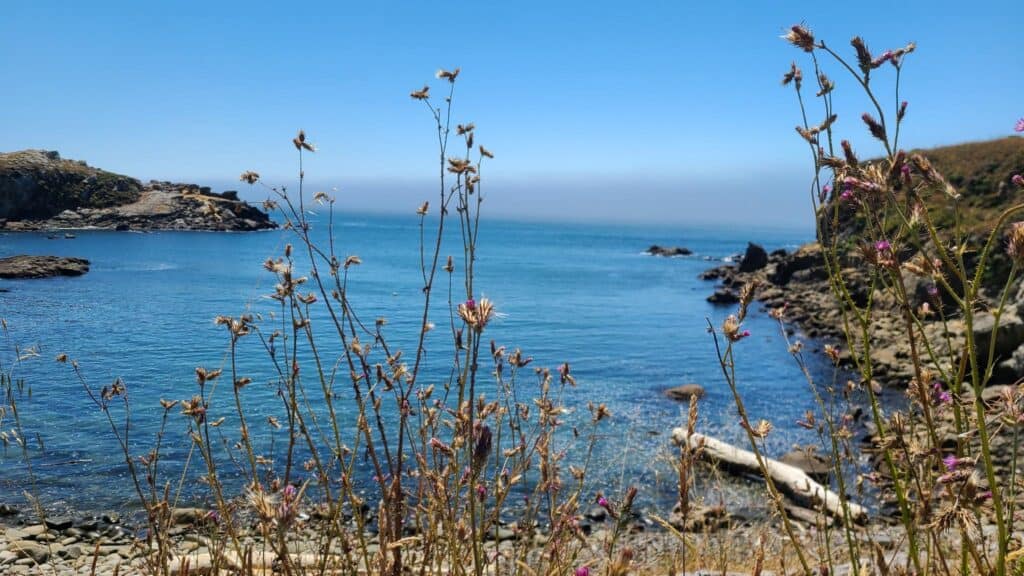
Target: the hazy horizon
(670, 113)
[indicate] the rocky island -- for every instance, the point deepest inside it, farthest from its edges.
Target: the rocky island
(23, 267)
(39, 190)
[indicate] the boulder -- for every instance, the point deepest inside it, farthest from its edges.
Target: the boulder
(1008, 339)
(24, 266)
(806, 257)
(685, 392)
(699, 518)
(27, 549)
(755, 258)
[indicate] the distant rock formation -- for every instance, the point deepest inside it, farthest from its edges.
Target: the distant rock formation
(656, 250)
(39, 190)
(41, 266)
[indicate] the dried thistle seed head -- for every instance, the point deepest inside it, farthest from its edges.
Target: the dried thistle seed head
(463, 129)
(485, 152)
(458, 165)
(794, 75)
(746, 297)
(1015, 243)
(876, 128)
(353, 260)
(826, 84)
(443, 74)
(800, 37)
(420, 94)
(851, 158)
(422, 210)
(863, 54)
(249, 177)
(759, 430)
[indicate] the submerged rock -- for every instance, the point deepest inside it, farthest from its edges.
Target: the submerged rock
(25, 266)
(685, 392)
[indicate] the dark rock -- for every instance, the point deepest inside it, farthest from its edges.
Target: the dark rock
(685, 391)
(230, 195)
(715, 273)
(806, 257)
(59, 522)
(723, 296)
(656, 250)
(8, 510)
(597, 514)
(699, 518)
(123, 227)
(754, 259)
(24, 266)
(776, 254)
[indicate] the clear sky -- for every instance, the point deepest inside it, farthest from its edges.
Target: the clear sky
(641, 111)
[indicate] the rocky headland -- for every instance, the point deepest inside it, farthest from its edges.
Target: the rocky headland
(39, 190)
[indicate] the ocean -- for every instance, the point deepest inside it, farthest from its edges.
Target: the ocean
(630, 325)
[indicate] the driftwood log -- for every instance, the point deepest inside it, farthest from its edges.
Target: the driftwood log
(789, 480)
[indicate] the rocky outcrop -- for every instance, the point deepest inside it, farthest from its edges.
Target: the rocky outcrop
(656, 250)
(39, 190)
(41, 266)
(754, 258)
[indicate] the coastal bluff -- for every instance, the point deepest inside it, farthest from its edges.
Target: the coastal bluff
(39, 190)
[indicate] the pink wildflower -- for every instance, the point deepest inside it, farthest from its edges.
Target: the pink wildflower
(951, 462)
(1019, 126)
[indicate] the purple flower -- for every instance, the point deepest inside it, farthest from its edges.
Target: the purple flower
(481, 491)
(1019, 126)
(289, 492)
(883, 246)
(602, 502)
(951, 462)
(933, 291)
(583, 571)
(470, 304)
(941, 395)
(1018, 180)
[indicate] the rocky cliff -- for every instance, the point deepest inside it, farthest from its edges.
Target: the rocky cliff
(981, 173)
(40, 190)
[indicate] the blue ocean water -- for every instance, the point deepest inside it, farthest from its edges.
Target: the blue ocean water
(630, 325)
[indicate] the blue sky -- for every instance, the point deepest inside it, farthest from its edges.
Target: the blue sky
(656, 111)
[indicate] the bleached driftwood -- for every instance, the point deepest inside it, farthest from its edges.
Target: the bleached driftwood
(789, 480)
